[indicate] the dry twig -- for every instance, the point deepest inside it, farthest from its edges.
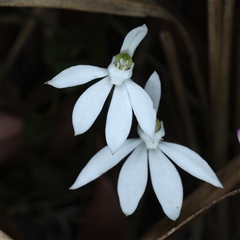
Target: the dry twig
(229, 176)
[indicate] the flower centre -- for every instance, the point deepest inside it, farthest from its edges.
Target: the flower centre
(157, 138)
(120, 69)
(123, 61)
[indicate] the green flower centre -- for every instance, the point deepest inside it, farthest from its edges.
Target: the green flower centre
(123, 61)
(158, 125)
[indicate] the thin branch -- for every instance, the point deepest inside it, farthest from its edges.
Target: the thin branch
(196, 214)
(229, 177)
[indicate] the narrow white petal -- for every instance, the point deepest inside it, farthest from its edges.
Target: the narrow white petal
(77, 75)
(89, 105)
(133, 38)
(191, 162)
(119, 118)
(102, 161)
(133, 180)
(153, 88)
(166, 183)
(142, 107)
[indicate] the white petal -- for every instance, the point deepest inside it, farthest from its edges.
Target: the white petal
(119, 118)
(166, 183)
(133, 180)
(142, 107)
(153, 88)
(89, 105)
(77, 75)
(102, 161)
(191, 162)
(133, 38)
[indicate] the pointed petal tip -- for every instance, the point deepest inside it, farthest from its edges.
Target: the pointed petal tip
(75, 133)
(174, 214)
(214, 181)
(173, 218)
(50, 83)
(77, 130)
(76, 185)
(73, 187)
(145, 26)
(133, 39)
(114, 149)
(127, 212)
(219, 185)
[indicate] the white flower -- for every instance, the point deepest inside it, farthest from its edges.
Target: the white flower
(238, 134)
(134, 173)
(127, 95)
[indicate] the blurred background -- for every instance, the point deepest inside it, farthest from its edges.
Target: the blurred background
(193, 46)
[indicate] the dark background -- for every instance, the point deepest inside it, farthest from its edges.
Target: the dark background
(41, 158)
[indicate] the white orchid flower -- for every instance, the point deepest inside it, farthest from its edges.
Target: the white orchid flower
(134, 173)
(127, 95)
(238, 134)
